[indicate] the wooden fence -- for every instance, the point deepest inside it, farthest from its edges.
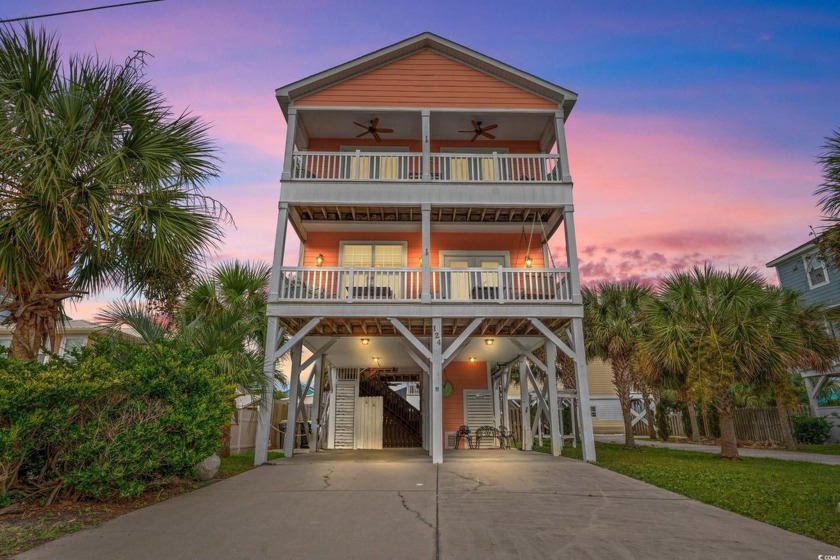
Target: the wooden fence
(751, 424)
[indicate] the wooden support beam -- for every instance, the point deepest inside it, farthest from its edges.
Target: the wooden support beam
(587, 436)
(546, 332)
(449, 355)
(315, 426)
(294, 389)
(437, 390)
(273, 333)
(413, 339)
(553, 410)
(424, 365)
(530, 353)
(525, 405)
(318, 353)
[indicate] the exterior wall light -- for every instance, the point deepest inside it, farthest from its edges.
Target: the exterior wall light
(376, 360)
(319, 260)
(528, 261)
(473, 359)
(488, 341)
(365, 341)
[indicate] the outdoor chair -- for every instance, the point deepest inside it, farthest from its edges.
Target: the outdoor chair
(505, 437)
(485, 432)
(463, 433)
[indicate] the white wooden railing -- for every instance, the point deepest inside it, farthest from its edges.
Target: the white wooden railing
(442, 167)
(398, 285)
(357, 166)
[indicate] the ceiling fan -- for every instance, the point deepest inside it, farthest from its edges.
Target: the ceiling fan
(479, 130)
(373, 129)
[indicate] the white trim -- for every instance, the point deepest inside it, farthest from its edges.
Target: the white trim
(442, 254)
(472, 150)
(341, 245)
(811, 257)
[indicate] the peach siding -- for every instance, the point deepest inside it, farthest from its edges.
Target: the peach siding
(426, 79)
(327, 244)
(462, 375)
(513, 146)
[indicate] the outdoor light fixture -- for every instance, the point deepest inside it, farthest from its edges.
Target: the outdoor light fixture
(319, 260)
(365, 341)
(528, 261)
(488, 341)
(376, 360)
(472, 359)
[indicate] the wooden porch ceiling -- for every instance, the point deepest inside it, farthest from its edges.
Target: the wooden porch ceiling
(374, 326)
(412, 214)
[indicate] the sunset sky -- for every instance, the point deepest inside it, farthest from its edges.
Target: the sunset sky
(694, 137)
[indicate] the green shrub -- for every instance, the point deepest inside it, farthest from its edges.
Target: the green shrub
(811, 430)
(117, 419)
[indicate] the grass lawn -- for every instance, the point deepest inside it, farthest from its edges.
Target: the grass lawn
(824, 449)
(800, 497)
(35, 524)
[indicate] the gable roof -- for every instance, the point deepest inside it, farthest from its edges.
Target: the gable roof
(426, 40)
(801, 250)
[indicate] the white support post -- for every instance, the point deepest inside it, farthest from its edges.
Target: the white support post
(315, 427)
(294, 390)
(525, 402)
(425, 121)
(562, 151)
(331, 427)
(505, 401)
(553, 412)
(582, 382)
(273, 333)
(289, 154)
(279, 250)
(437, 390)
(571, 253)
(426, 243)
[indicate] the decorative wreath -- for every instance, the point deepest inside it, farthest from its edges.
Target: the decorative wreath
(447, 389)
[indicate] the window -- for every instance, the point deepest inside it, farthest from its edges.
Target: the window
(70, 343)
(6, 342)
(815, 270)
(593, 410)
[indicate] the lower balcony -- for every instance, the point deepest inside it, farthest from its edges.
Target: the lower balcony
(405, 285)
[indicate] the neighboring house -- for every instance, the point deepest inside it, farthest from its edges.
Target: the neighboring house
(73, 333)
(426, 182)
(817, 281)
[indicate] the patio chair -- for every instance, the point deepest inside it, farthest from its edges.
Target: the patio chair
(485, 432)
(463, 433)
(505, 437)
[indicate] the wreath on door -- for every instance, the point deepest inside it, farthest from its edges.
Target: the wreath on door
(447, 388)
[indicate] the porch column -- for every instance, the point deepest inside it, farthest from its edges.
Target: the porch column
(425, 119)
(315, 429)
(525, 405)
(426, 243)
(437, 391)
(562, 152)
(505, 401)
(279, 251)
(571, 253)
(266, 404)
(289, 154)
(554, 414)
(294, 391)
(582, 382)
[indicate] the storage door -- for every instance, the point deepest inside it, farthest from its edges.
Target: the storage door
(479, 412)
(369, 414)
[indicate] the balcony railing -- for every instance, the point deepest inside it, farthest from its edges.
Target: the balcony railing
(442, 167)
(446, 285)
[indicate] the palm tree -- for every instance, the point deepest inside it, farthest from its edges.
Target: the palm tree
(799, 339)
(829, 197)
(614, 323)
(101, 185)
(714, 325)
(662, 377)
(223, 315)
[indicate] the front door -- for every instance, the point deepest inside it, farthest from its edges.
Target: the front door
(474, 283)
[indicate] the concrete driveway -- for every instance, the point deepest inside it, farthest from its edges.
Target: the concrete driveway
(396, 504)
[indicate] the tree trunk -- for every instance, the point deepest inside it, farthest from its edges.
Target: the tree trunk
(649, 416)
(692, 413)
(629, 438)
(25, 341)
(784, 422)
(728, 439)
(623, 384)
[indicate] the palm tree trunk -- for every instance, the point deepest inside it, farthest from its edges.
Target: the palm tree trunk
(629, 438)
(728, 439)
(649, 416)
(784, 421)
(25, 341)
(692, 413)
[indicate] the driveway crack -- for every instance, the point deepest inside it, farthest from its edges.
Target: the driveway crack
(326, 478)
(414, 511)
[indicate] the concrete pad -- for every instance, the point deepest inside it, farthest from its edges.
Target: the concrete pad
(396, 504)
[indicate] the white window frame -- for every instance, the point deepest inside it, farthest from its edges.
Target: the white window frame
(62, 348)
(341, 245)
(808, 260)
